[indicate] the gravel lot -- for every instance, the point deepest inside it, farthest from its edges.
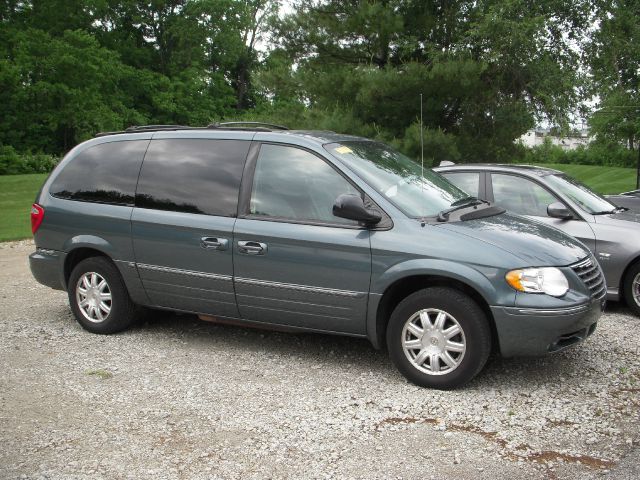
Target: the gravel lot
(181, 398)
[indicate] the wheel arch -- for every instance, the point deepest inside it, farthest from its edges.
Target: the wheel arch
(79, 253)
(404, 286)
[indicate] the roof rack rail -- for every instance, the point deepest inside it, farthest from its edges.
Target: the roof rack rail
(256, 124)
(251, 126)
(146, 128)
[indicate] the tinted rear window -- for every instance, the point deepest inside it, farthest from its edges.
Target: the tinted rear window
(104, 173)
(193, 176)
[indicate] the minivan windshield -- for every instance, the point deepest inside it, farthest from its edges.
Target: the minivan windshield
(588, 200)
(399, 179)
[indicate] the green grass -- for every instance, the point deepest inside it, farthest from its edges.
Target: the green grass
(17, 193)
(604, 180)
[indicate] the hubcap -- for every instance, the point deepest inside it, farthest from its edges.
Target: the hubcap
(635, 289)
(94, 297)
(433, 341)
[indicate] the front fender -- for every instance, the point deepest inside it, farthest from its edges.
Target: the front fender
(478, 277)
(488, 282)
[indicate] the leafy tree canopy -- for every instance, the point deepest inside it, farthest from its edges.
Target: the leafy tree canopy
(488, 70)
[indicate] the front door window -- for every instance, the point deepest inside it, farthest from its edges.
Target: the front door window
(290, 183)
(520, 195)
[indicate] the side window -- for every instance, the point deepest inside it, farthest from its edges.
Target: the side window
(192, 176)
(466, 181)
(294, 184)
(104, 173)
(520, 195)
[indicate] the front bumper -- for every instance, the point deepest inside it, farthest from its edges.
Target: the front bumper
(47, 267)
(537, 331)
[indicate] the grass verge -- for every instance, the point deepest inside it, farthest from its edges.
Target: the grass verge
(17, 193)
(604, 180)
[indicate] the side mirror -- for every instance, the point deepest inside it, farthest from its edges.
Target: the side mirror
(559, 210)
(352, 207)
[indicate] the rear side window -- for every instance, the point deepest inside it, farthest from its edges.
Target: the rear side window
(104, 173)
(192, 176)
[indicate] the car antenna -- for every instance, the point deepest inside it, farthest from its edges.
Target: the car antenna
(421, 156)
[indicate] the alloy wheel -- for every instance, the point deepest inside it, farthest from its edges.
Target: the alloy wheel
(93, 296)
(433, 341)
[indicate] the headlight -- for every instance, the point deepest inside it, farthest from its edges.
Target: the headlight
(547, 280)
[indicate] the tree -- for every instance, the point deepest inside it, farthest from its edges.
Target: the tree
(59, 91)
(614, 61)
(614, 58)
(487, 69)
(70, 69)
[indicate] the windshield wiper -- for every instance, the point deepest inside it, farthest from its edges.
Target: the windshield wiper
(465, 202)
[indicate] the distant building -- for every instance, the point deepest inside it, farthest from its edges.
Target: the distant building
(535, 138)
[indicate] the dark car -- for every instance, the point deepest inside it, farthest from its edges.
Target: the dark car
(312, 231)
(610, 231)
(630, 200)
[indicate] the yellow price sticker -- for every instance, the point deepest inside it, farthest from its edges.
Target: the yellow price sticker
(344, 150)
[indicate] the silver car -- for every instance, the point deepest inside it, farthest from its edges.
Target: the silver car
(611, 232)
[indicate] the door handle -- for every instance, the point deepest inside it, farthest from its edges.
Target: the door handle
(252, 248)
(214, 243)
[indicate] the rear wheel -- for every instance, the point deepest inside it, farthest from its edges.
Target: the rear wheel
(99, 297)
(632, 288)
(439, 337)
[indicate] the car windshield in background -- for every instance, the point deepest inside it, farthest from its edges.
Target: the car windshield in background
(590, 201)
(399, 178)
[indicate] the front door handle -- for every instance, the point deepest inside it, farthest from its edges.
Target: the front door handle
(252, 248)
(214, 243)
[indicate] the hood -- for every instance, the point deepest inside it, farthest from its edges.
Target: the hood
(622, 218)
(537, 244)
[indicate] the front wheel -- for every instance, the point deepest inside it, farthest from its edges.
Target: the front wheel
(439, 337)
(632, 288)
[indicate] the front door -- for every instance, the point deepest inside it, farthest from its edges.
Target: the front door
(294, 262)
(526, 197)
(182, 225)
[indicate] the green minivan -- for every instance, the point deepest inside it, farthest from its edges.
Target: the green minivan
(313, 231)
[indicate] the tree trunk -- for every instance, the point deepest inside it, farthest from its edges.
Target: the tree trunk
(242, 83)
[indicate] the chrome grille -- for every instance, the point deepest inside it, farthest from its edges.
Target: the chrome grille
(591, 274)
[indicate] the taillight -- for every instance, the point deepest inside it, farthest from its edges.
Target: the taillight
(37, 215)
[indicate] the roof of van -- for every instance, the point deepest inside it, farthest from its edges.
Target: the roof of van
(324, 136)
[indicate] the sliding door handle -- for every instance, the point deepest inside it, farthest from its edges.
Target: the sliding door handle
(214, 243)
(252, 248)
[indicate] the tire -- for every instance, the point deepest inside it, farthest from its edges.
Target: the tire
(430, 363)
(632, 288)
(108, 307)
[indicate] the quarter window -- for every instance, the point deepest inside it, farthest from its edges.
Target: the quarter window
(520, 195)
(294, 184)
(192, 176)
(104, 173)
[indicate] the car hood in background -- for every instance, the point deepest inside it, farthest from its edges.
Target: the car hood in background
(627, 218)
(535, 243)
(627, 201)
